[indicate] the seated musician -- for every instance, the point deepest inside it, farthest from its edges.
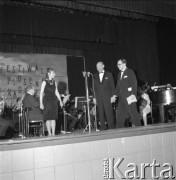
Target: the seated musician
(144, 106)
(31, 102)
(4, 123)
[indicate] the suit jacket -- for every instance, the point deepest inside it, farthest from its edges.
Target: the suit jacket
(32, 103)
(127, 85)
(105, 89)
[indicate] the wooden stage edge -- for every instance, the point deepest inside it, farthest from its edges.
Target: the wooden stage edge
(78, 137)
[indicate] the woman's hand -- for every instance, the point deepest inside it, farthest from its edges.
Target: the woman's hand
(41, 106)
(61, 104)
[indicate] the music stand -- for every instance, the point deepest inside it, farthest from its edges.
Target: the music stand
(79, 101)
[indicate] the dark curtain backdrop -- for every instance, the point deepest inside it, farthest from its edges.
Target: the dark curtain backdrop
(76, 81)
(31, 29)
(166, 37)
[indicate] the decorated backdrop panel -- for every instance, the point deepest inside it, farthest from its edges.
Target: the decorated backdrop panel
(19, 70)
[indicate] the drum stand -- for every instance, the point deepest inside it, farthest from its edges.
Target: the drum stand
(65, 121)
(21, 123)
(85, 114)
(95, 117)
(86, 74)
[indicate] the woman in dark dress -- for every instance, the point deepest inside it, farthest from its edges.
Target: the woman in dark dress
(49, 96)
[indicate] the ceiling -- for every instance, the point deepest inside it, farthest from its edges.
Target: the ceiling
(158, 8)
(155, 8)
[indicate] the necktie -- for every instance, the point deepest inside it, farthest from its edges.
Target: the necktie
(121, 74)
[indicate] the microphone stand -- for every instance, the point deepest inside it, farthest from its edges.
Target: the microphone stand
(86, 75)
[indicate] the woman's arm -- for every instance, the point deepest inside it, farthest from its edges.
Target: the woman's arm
(58, 95)
(41, 94)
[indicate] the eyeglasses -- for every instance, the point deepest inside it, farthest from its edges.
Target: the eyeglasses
(119, 64)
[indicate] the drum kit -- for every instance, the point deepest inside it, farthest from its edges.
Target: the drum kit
(77, 110)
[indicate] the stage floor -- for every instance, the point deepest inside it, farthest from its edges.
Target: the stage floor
(80, 136)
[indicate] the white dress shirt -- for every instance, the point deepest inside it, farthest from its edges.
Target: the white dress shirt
(101, 75)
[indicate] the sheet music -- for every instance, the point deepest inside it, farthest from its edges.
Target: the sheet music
(131, 99)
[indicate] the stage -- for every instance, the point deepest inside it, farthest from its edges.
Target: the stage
(79, 155)
(80, 136)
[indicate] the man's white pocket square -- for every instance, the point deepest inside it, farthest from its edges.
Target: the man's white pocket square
(130, 89)
(125, 76)
(106, 78)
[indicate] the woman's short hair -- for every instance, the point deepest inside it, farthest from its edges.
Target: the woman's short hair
(48, 70)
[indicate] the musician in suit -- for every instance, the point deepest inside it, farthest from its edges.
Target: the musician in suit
(31, 102)
(126, 86)
(4, 124)
(104, 90)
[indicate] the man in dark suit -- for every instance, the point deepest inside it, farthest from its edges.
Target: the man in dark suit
(126, 86)
(104, 90)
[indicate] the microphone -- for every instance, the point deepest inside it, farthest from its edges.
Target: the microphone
(84, 73)
(90, 73)
(87, 73)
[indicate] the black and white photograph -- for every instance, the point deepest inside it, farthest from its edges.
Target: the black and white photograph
(87, 89)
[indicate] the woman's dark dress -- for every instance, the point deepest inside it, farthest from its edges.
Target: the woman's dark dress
(50, 103)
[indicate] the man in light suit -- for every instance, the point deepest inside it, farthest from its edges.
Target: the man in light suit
(104, 90)
(126, 86)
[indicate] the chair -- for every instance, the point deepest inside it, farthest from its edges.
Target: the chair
(31, 123)
(150, 115)
(170, 113)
